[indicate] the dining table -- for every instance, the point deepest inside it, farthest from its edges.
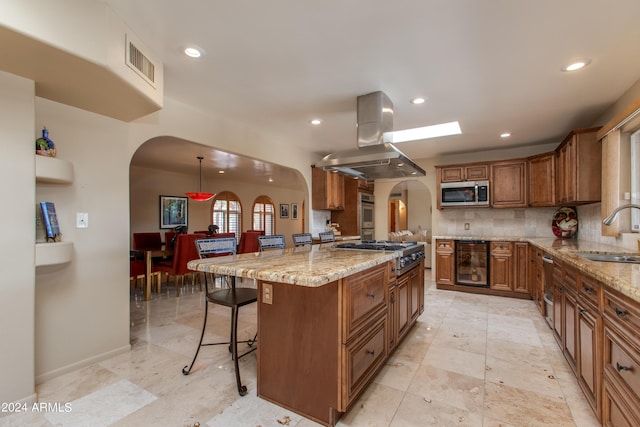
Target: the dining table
(149, 255)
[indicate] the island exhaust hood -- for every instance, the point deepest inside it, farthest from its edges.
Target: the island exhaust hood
(375, 157)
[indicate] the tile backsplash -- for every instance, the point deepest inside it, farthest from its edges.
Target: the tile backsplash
(534, 222)
(530, 222)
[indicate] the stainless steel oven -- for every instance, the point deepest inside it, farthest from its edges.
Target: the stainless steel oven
(367, 216)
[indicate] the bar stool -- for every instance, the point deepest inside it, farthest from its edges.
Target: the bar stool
(274, 241)
(232, 297)
(327, 236)
(301, 239)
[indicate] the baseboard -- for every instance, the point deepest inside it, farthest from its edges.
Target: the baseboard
(44, 377)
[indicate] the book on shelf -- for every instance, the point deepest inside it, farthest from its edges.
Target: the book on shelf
(50, 220)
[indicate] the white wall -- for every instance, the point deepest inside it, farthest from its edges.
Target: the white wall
(82, 308)
(17, 254)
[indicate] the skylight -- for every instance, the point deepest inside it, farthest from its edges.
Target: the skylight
(426, 132)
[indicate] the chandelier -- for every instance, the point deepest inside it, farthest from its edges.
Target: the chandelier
(199, 196)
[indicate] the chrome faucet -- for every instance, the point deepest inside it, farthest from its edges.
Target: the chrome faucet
(613, 215)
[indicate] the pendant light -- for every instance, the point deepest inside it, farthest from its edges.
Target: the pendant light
(199, 196)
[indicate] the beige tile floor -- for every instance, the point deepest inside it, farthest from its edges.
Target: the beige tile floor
(470, 360)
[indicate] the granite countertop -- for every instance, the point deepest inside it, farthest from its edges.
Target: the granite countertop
(305, 266)
(623, 277)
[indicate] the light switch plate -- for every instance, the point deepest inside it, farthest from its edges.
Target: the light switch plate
(82, 220)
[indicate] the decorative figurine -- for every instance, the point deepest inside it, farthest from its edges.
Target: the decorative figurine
(45, 146)
(565, 222)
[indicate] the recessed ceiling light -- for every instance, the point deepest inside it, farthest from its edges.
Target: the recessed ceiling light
(576, 65)
(505, 135)
(194, 52)
(418, 100)
(433, 131)
(220, 171)
(315, 122)
(270, 179)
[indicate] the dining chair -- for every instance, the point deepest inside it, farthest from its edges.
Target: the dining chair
(274, 241)
(249, 241)
(232, 297)
(301, 239)
(183, 252)
(327, 236)
(137, 270)
(147, 241)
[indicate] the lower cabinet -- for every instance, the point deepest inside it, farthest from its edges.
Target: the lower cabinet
(406, 302)
(621, 361)
(445, 262)
(508, 266)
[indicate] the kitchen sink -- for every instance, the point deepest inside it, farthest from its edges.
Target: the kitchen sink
(595, 256)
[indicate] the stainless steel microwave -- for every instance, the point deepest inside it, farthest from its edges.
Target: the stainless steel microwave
(467, 193)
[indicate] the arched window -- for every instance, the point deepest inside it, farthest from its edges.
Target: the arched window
(264, 217)
(227, 213)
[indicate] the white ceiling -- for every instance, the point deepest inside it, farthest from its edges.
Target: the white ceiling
(493, 65)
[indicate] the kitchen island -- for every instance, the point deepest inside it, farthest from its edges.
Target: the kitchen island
(325, 322)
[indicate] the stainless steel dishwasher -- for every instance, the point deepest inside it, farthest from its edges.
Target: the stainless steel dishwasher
(547, 266)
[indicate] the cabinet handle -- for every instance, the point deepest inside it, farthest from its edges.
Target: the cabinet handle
(371, 295)
(581, 310)
(620, 312)
(587, 290)
(620, 367)
(393, 299)
(371, 353)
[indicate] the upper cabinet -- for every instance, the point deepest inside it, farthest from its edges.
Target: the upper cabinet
(466, 172)
(508, 182)
(578, 167)
(328, 189)
(542, 180)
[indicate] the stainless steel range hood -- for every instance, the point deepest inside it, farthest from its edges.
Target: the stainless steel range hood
(375, 157)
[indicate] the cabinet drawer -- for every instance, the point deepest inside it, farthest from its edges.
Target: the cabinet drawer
(622, 362)
(590, 290)
(363, 358)
(622, 312)
(501, 247)
(616, 411)
(444, 246)
(365, 298)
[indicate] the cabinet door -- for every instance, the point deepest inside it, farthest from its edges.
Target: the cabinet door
(476, 172)
(403, 295)
(589, 357)
(452, 174)
(415, 288)
(392, 318)
(445, 267)
(508, 188)
(328, 190)
(520, 267)
(501, 266)
(570, 348)
(542, 180)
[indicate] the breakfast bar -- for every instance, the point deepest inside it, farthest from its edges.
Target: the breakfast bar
(324, 323)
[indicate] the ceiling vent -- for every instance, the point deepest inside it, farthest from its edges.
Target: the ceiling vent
(138, 62)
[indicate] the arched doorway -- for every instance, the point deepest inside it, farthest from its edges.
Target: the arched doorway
(410, 208)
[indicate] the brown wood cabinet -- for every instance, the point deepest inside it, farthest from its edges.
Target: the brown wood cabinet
(536, 277)
(542, 180)
(621, 361)
(508, 184)
(406, 302)
(445, 262)
(578, 167)
(508, 266)
(589, 329)
(328, 190)
(464, 172)
(501, 266)
(349, 217)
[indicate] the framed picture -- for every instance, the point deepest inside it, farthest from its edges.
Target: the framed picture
(284, 211)
(294, 211)
(173, 211)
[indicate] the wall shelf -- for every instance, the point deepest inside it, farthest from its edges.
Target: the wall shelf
(53, 253)
(52, 170)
